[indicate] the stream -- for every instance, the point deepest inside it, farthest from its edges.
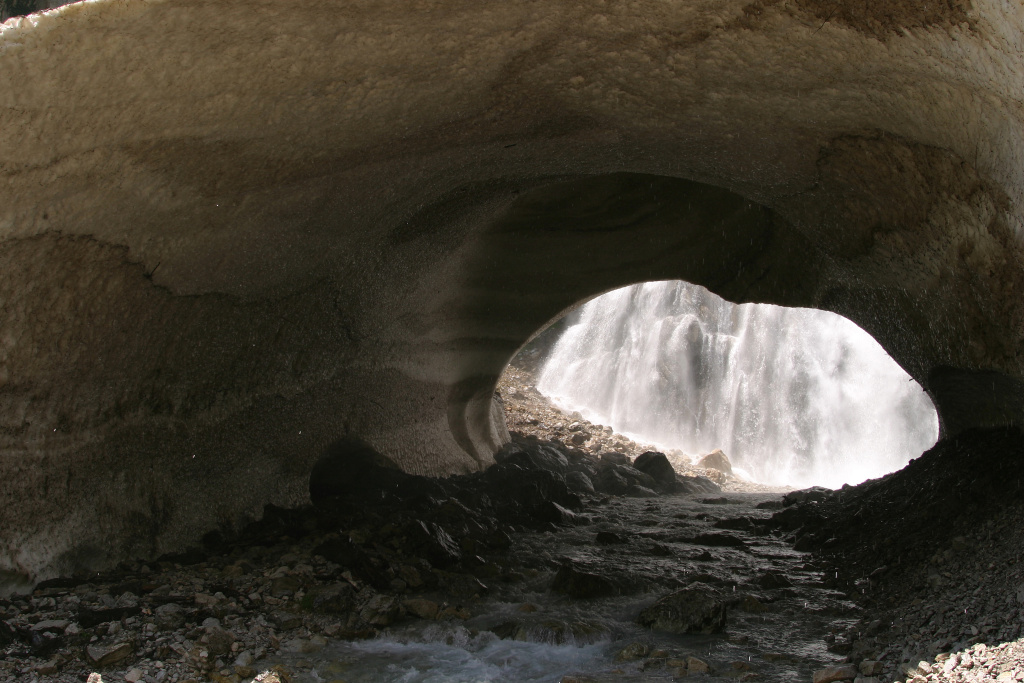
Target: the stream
(520, 631)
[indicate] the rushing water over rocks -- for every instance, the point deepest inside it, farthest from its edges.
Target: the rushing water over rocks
(793, 396)
(638, 549)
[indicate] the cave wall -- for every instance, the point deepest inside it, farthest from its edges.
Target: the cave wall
(233, 232)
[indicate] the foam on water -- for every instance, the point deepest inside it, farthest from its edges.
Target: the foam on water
(446, 655)
(793, 396)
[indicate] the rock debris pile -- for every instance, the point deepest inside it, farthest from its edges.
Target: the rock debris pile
(529, 412)
(933, 554)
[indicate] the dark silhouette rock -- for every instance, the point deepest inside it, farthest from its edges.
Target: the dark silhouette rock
(657, 466)
(694, 609)
(576, 583)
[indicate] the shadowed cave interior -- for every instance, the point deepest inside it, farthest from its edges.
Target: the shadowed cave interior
(236, 234)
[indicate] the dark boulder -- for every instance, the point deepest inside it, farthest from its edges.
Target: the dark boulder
(578, 481)
(657, 466)
(694, 609)
(533, 455)
(814, 494)
(685, 484)
(576, 583)
(337, 598)
(554, 513)
(608, 538)
(613, 458)
(433, 543)
(619, 479)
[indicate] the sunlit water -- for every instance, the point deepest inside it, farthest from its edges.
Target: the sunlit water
(793, 396)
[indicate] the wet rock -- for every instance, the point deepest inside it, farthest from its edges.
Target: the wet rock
(716, 540)
(422, 608)
(871, 668)
(813, 494)
(751, 604)
(219, 640)
(613, 458)
(694, 609)
(632, 652)
(169, 616)
(87, 617)
(7, 634)
(773, 579)
(656, 466)
(554, 513)
(434, 543)
(697, 484)
(286, 621)
(533, 457)
(335, 598)
(835, 673)
(641, 492)
(608, 538)
(697, 666)
(715, 460)
(619, 479)
(284, 586)
(578, 481)
(381, 610)
(50, 625)
(108, 655)
(576, 583)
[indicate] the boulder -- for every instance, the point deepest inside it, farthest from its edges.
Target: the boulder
(576, 583)
(381, 610)
(609, 538)
(554, 513)
(618, 479)
(613, 458)
(813, 494)
(219, 640)
(694, 609)
(422, 608)
(578, 481)
(657, 466)
(433, 542)
(108, 655)
(169, 617)
(715, 460)
(335, 598)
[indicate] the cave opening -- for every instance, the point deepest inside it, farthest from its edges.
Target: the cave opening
(784, 397)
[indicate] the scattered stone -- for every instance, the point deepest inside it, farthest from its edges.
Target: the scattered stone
(107, 655)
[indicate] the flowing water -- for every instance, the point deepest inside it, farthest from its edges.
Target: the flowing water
(793, 396)
(521, 631)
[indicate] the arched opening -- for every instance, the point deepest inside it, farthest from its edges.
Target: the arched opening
(793, 396)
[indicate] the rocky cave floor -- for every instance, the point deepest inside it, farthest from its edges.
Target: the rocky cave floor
(621, 570)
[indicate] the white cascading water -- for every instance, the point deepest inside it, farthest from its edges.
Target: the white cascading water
(793, 396)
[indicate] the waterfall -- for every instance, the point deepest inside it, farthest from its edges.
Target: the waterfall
(793, 396)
